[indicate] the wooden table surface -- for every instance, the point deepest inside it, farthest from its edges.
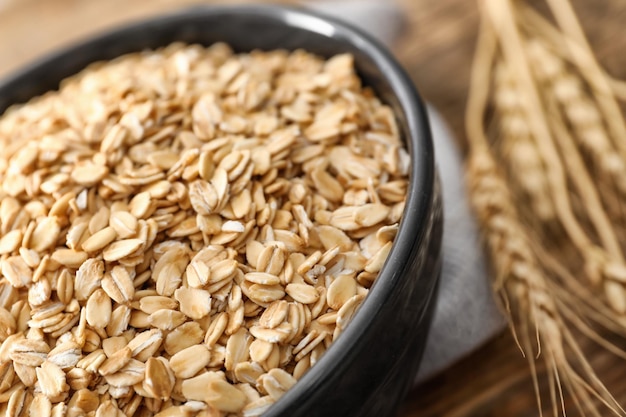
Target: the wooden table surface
(436, 48)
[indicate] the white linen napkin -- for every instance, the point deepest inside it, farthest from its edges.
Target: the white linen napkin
(465, 315)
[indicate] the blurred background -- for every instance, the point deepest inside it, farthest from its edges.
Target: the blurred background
(434, 40)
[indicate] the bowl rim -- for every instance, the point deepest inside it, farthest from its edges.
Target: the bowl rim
(417, 137)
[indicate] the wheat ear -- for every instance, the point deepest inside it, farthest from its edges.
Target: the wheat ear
(581, 111)
(559, 152)
(575, 121)
(591, 70)
(574, 47)
(519, 280)
(519, 149)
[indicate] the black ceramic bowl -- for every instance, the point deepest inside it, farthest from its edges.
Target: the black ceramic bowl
(369, 368)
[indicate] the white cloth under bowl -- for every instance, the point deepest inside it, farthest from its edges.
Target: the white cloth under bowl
(465, 315)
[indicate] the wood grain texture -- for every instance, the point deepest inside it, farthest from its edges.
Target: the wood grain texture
(436, 49)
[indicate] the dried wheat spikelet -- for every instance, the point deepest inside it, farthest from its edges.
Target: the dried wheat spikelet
(581, 54)
(524, 291)
(563, 167)
(519, 149)
(584, 119)
(555, 138)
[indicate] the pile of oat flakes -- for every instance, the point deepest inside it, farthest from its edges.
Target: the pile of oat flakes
(186, 231)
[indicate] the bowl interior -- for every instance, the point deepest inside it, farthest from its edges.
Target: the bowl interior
(254, 27)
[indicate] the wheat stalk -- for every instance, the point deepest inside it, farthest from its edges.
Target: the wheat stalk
(500, 14)
(541, 133)
(560, 155)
